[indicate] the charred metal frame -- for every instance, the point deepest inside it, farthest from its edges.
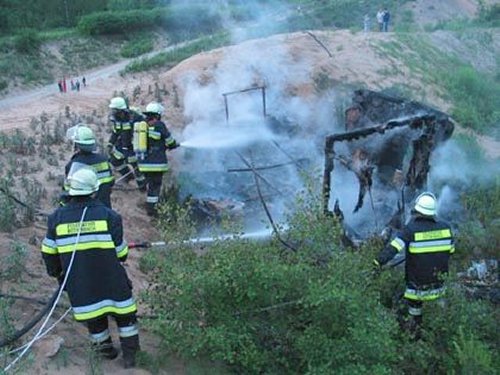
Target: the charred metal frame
(413, 177)
(263, 93)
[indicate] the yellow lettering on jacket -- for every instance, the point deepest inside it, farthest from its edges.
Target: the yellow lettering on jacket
(87, 227)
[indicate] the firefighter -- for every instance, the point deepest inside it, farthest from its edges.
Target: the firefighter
(119, 146)
(153, 163)
(427, 244)
(85, 153)
(84, 245)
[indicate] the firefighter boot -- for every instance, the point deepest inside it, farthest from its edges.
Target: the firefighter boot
(151, 209)
(130, 347)
(106, 349)
(415, 327)
(140, 179)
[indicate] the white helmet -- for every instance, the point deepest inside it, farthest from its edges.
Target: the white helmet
(83, 182)
(155, 107)
(118, 103)
(84, 138)
(426, 204)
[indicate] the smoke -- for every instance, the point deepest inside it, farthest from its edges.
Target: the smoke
(457, 167)
(219, 139)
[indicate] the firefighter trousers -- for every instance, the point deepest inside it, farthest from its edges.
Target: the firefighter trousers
(153, 185)
(122, 166)
(127, 330)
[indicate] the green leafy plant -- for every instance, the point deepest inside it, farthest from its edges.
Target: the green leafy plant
(27, 41)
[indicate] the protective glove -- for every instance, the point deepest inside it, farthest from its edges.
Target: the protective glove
(377, 268)
(109, 148)
(175, 145)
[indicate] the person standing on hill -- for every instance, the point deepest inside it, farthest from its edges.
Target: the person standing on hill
(84, 82)
(83, 249)
(386, 19)
(427, 244)
(154, 163)
(366, 23)
(120, 146)
(380, 19)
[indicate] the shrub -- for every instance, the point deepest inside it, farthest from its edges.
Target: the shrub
(3, 85)
(261, 308)
(137, 47)
(118, 22)
(176, 55)
(476, 98)
(27, 41)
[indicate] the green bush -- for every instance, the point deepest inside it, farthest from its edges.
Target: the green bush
(180, 21)
(264, 308)
(27, 41)
(119, 22)
(479, 234)
(137, 47)
(176, 55)
(476, 98)
(3, 85)
(260, 307)
(490, 15)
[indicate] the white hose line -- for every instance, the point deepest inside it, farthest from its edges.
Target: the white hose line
(45, 332)
(61, 289)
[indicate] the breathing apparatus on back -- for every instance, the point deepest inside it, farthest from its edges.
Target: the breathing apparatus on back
(141, 128)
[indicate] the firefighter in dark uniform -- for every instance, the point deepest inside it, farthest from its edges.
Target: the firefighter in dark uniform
(85, 147)
(119, 146)
(154, 163)
(83, 249)
(427, 243)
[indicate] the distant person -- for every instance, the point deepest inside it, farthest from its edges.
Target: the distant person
(366, 23)
(59, 84)
(73, 87)
(380, 19)
(64, 84)
(77, 84)
(386, 19)
(84, 82)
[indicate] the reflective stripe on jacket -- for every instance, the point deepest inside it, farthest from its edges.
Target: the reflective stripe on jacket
(159, 141)
(103, 169)
(428, 244)
(97, 284)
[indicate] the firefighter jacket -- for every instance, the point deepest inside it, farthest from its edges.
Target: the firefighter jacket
(427, 244)
(103, 169)
(97, 284)
(121, 137)
(159, 140)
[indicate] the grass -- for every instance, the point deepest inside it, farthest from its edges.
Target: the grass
(173, 57)
(475, 96)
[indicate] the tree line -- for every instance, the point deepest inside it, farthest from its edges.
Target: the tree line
(49, 14)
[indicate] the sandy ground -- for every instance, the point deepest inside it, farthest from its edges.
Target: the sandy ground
(345, 57)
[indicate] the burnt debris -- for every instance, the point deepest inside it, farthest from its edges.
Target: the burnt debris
(388, 142)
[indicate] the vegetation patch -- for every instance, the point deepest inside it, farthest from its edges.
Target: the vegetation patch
(137, 47)
(263, 308)
(173, 57)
